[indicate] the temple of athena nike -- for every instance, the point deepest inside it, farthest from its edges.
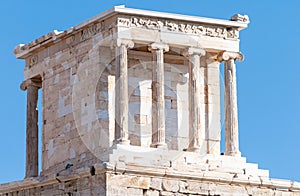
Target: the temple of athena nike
(132, 105)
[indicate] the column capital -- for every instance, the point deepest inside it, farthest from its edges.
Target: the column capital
(126, 42)
(158, 46)
(30, 82)
(194, 51)
(225, 56)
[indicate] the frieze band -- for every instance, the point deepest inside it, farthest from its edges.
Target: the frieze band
(89, 32)
(205, 30)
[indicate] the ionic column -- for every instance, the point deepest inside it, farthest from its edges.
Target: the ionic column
(121, 132)
(32, 88)
(231, 110)
(158, 99)
(196, 98)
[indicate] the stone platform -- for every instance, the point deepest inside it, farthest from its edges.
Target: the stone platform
(140, 171)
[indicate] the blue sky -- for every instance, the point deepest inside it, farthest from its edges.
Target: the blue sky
(268, 79)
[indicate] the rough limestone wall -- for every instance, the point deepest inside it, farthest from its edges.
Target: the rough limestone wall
(66, 102)
(91, 185)
(61, 140)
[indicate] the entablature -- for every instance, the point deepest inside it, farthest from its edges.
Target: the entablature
(120, 17)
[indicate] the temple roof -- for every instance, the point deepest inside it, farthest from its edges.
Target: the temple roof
(22, 50)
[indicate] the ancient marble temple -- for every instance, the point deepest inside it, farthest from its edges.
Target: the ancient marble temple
(131, 105)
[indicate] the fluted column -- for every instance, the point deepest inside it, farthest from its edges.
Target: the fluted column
(231, 110)
(121, 103)
(32, 86)
(158, 99)
(196, 98)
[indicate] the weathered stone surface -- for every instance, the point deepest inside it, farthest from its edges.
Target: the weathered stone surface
(152, 193)
(135, 192)
(156, 183)
(119, 119)
(129, 181)
(170, 185)
(100, 184)
(158, 98)
(116, 190)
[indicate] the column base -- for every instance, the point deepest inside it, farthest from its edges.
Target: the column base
(159, 145)
(233, 153)
(193, 149)
(122, 142)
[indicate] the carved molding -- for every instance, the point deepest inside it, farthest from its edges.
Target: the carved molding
(240, 18)
(194, 51)
(33, 60)
(158, 46)
(141, 22)
(192, 28)
(126, 42)
(70, 40)
(44, 38)
(232, 33)
(177, 26)
(90, 31)
(225, 56)
(30, 82)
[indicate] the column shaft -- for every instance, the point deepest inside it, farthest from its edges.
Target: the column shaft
(196, 100)
(158, 97)
(230, 99)
(32, 88)
(231, 111)
(121, 133)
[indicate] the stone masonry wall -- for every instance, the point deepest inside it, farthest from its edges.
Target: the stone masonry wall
(112, 184)
(78, 100)
(78, 78)
(140, 103)
(78, 71)
(58, 64)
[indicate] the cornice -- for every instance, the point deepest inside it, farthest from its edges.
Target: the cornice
(22, 51)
